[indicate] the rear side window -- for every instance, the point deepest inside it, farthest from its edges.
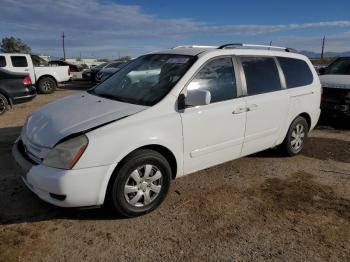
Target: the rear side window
(19, 61)
(296, 72)
(218, 78)
(261, 74)
(2, 61)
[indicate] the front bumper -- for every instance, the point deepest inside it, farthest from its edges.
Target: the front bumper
(335, 109)
(64, 188)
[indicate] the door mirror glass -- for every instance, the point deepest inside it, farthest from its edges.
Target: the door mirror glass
(197, 97)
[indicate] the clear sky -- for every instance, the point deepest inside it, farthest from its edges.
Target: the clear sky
(106, 28)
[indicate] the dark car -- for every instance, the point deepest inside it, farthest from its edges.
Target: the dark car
(90, 74)
(72, 67)
(335, 80)
(109, 70)
(15, 88)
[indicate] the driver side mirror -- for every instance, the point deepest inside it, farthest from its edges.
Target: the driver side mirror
(197, 97)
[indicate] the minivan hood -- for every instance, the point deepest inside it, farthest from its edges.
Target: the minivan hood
(80, 112)
(335, 81)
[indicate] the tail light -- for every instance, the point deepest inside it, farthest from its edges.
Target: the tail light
(27, 81)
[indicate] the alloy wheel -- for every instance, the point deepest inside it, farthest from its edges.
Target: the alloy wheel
(298, 135)
(47, 86)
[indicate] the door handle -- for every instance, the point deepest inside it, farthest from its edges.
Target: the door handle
(239, 110)
(252, 107)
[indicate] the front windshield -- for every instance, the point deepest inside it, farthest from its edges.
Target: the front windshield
(341, 66)
(146, 80)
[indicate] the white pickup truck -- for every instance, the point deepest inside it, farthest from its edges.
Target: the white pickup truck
(45, 77)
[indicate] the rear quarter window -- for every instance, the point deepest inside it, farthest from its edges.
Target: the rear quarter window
(19, 61)
(2, 61)
(296, 72)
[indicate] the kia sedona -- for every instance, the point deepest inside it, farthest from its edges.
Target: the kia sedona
(163, 116)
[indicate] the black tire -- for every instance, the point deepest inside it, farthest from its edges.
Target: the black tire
(47, 85)
(120, 201)
(4, 105)
(294, 141)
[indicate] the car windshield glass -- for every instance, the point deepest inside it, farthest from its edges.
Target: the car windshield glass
(146, 80)
(340, 66)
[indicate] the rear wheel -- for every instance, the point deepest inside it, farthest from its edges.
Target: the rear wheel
(296, 137)
(140, 184)
(3, 104)
(47, 85)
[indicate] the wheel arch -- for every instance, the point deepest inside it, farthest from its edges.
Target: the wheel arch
(305, 115)
(48, 76)
(164, 151)
(9, 100)
(307, 118)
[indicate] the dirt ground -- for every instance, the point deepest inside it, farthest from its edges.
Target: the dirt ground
(261, 207)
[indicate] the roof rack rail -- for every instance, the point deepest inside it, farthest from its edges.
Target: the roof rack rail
(195, 46)
(268, 47)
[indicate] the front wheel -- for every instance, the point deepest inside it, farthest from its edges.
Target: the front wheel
(140, 184)
(47, 85)
(296, 137)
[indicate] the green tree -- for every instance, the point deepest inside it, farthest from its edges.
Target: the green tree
(14, 45)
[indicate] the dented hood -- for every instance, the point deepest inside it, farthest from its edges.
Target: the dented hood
(77, 113)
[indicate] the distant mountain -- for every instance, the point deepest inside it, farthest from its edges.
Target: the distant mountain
(326, 54)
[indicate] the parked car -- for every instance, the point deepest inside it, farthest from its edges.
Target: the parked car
(15, 88)
(90, 74)
(109, 70)
(43, 76)
(335, 80)
(165, 115)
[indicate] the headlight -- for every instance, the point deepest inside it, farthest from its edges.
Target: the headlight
(66, 154)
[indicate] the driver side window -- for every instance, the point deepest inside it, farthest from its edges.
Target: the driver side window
(218, 78)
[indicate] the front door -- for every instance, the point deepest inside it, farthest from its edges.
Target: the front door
(214, 133)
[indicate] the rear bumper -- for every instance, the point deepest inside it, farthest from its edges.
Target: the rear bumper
(28, 96)
(64, 188)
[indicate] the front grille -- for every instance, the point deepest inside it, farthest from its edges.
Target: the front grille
(334, 95)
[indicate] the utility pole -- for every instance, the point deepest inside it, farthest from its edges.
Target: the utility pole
(323, 46)
(64, 50)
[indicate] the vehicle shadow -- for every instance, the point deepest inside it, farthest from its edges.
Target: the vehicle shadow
(18, 204)
(316, 147)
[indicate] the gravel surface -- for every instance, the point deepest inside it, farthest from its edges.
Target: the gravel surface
(261, 207)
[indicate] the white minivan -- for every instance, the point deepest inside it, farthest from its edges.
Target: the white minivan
(165, 115)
